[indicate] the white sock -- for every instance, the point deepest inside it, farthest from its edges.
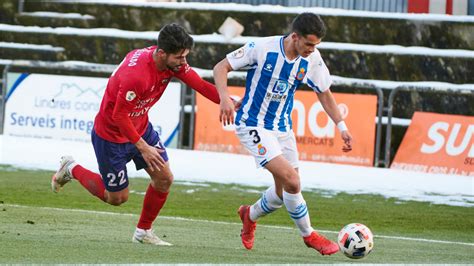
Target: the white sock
(70, 167)
(296, 206)
(268, 203)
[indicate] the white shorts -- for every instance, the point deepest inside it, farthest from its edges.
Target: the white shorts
(266, 144)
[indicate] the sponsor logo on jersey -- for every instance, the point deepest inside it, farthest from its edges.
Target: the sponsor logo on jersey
(130, 96)
(142, 103)
(281, 86)
(251, 44)
(275, 97)
(268, 67)
(261, 149)
(300, 75)
(139, 113)
(141, 107)
(239, 53)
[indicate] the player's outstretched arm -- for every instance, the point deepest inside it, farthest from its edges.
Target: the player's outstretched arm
(221, 69)
(193, 80)
(329, 104)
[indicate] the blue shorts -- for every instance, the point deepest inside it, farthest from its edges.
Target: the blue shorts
(113, 158)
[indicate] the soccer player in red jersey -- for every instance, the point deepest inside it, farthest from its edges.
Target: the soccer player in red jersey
(123, 133)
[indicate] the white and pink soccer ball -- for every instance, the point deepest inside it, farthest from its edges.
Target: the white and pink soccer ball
(355, 240)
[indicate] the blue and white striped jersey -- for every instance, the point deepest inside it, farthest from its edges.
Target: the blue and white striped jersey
(272, 80)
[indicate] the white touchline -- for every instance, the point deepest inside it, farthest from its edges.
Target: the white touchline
(230, 223)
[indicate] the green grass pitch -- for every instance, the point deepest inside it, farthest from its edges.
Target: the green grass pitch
(38, 226)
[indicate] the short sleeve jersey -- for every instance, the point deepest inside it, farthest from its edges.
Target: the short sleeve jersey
(272, 80)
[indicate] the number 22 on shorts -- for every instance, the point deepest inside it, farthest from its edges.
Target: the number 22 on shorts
(113, 177)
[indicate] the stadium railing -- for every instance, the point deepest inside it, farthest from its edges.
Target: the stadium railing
(187, 114)
(390, 104)
(3, 95)
(337, 81)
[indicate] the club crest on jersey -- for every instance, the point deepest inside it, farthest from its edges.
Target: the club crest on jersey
(239, 53)
(130, 96)
(261, 149)
(300, 75)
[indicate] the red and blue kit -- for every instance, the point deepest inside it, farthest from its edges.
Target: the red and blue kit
(134, 87)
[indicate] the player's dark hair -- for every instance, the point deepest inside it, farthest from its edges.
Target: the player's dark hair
(309, 23)
(173, 38)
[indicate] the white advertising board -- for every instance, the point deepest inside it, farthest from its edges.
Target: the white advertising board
(64, 107)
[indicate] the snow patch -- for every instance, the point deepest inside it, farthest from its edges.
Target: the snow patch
(58, 15)
(240, 169)
(217, 38)
(43, 47)
(284, 10)
(206, 73)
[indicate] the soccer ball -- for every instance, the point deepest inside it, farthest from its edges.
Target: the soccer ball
(355, 240)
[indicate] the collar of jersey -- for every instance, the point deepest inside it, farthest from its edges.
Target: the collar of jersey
(150, 59)
(282, 49)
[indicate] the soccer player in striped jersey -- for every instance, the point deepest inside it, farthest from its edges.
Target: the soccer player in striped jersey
(277, 66)
(122, 131)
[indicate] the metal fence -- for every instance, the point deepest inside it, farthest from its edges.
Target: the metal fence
(3, 93)
(390, 105)
(188, 100)
(394, 6)
(399, 6)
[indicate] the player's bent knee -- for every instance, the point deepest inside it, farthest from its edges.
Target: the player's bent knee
(292, 189)
(169, 180)
(117, 201)
(116, 198)
(292, 183)
(114, 202)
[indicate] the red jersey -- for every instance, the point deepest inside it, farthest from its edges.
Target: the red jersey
(133, 88)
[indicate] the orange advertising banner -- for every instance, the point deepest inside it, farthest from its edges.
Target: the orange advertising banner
(438, 143)
(317, 137)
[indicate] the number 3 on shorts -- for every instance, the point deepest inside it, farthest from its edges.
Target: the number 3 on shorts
(256, 137)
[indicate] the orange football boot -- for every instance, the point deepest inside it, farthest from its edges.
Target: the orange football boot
(320, 243)
(248, 227)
